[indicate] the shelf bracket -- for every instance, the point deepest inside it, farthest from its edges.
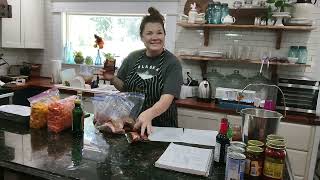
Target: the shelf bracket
(279, 37)
(203, 66)
(206, 32)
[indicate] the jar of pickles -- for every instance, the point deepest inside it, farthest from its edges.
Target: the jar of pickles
(254, 162)
(274, 162)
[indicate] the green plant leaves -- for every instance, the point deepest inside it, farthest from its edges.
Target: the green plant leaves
(279, 3)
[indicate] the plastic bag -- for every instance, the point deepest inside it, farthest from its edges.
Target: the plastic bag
(60, 114)
(113, 112)
(39, 107)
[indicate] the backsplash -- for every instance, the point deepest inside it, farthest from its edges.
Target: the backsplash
(192, 40)
(13, 57)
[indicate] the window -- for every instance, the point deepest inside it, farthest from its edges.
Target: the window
(119, 32)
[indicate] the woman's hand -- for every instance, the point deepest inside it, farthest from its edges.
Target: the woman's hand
(107, 76)
(144, 122)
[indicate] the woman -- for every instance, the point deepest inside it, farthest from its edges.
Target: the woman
(154, 71)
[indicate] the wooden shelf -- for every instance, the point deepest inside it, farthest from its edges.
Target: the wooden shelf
(204, 63)
(278, 29)
(205, 58)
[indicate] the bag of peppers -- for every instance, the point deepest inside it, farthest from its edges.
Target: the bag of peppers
(60, 114)
(39, 107)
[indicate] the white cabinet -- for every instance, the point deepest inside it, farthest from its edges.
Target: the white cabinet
(300, 139)
(197, 119)
(26, 27)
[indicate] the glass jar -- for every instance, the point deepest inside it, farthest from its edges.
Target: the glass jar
(274, 162)
(303, 55)
(293, 51)
(224, 10)
(216, 13)
(209, 13)
(235, 80)
(215, 79)
(254, 162)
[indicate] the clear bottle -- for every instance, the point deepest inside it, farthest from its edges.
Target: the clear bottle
(216, 13)
(224, 10)
(209, 13)
(303, 55)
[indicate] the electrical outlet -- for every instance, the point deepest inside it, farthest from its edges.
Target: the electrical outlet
(185, 74)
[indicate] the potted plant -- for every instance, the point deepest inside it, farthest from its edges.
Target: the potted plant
(110, 62)
(89, 60)
(277, 10)
(78, 57)
(277, 5)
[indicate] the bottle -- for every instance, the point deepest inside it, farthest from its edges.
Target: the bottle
(76, 151)
(77, 118)
(192, 14)
(222, 143)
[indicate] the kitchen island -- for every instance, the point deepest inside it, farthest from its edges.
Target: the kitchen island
(58, 156)
(41, 155)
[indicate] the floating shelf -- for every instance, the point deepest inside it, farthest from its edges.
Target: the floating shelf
(278, 29)
(205, 59)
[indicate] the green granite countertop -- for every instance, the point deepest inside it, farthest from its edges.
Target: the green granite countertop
(95, 156)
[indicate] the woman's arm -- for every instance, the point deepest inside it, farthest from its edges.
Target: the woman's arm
(118, 83)
(146, 117)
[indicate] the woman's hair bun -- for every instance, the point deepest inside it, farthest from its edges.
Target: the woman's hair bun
(154, 12)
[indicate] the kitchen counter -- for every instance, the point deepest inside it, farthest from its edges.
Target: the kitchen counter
(293, 118)
(58, 156)
(192, 103)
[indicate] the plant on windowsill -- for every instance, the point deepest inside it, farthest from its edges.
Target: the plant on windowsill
(78, 57)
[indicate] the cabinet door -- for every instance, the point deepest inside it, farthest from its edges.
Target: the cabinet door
(197, 119)
(11, 27)
(297, 136)
(298, 161)
(32, 24)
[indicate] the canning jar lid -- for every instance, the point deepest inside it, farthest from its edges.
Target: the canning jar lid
(254, 149)
(276, 144)
(275, 137)
(255, 143)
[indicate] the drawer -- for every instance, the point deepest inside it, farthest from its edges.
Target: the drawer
(298, 178)
(298, 161)
(297, 136)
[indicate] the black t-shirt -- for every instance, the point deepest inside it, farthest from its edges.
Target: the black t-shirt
(149, 67)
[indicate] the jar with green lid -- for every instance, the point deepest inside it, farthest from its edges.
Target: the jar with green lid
(254, 162)
(275, 137)
(255, 143)
(274, 162)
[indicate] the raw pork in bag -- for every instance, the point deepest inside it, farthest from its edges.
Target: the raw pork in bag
(117, 112)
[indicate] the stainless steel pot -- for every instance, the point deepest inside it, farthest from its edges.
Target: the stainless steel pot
(258, 123)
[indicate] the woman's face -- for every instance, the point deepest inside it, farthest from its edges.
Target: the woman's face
(153, 38)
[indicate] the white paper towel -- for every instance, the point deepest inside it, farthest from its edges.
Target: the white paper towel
(56, 68)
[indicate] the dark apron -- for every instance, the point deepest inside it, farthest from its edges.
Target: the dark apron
(152, 89)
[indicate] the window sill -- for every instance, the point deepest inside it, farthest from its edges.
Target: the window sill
(78, 65)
